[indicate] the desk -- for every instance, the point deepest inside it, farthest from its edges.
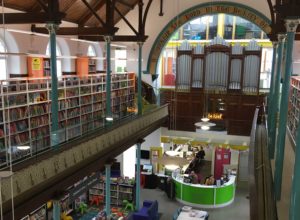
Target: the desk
(203, 196)
(192, 215)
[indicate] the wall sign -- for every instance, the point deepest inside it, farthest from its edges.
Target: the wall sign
(215, 116)
(200, 10)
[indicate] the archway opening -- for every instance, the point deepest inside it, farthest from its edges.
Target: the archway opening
(201, 31)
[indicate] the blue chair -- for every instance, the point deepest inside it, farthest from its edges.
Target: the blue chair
(175, 216)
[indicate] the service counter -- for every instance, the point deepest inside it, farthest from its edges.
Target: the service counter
(203, 196)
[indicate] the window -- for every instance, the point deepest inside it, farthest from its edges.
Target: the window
(3, 74)
(120, 57)
(58, 60)
(91, 51)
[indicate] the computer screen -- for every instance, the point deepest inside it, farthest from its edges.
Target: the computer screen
(147, 168)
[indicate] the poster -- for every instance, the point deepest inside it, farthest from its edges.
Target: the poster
(36, 63)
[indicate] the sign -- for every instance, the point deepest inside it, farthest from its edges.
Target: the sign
(215, 116)
(36, 63)
(201, 10)
(84, 186)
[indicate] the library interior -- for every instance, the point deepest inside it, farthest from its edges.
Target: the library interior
(149, 110)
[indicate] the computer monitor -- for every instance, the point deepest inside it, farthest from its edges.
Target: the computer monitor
(147, 168)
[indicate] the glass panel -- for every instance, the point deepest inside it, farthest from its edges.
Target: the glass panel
(213, 26)
(246, 30)
(228, 22)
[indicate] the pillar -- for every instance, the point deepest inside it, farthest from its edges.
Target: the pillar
(107, 189)
(275, 98)
(271, 93)
(294, 213)
(108, 113)
(138, 176)
(140, 101)
(291, 26)
(54, 92)
(56, 210)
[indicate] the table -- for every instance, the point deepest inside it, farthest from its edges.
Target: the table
(192, 215)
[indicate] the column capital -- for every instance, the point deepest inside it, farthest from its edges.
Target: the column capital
(291, 24)
(108, 38)
(275, 43)
(281, 38)
(52, 27)
(140, 43)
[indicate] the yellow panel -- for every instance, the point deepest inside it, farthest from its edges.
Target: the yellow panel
(165, 139)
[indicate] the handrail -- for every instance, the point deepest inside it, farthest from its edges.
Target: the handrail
(262, 199)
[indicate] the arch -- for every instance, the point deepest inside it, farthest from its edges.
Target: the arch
(91, 52)
(14, 63)
(65, 51)
(236, 9)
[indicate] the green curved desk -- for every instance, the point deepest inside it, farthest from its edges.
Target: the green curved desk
(203, 196)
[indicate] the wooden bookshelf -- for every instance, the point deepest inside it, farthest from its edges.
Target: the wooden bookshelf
(25, 110)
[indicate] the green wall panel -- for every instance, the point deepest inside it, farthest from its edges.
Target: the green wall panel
(224, 194)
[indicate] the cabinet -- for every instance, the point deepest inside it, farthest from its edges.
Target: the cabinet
(25, 109)
(294, 107)
(118, 192)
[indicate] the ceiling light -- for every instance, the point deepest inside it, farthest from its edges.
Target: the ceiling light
(171, 167)
(23, 147)
(172, 153)
(109, 118)
(205, 128)
(205, 119)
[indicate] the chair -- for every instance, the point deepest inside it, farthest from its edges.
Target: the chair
(82, 208)
(96, 199)
(128, 205)
(64, 216)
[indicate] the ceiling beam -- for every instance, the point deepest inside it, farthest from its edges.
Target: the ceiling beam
(99, 4)
(87, 31)
(126, 21)
(29, 18)
(94, 11)
(125, 3)
(117, 38)
(38, 5)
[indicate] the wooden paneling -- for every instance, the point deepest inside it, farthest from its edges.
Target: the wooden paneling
(237, 117)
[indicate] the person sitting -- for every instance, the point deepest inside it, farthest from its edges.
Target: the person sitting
(210, 180)
(194, 178)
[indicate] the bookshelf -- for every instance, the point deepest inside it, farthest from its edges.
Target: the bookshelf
(25, 110)
(118, 192)
(38, 66)
(294, 107)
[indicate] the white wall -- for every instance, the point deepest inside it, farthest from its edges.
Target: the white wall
(152, 140)
(33, 44)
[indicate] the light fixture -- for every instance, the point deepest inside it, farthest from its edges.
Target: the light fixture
(171, 167)
(109, 118)
(205, 128)
(205, 119)
(172, 153)
(204, 125)
(23, 147)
